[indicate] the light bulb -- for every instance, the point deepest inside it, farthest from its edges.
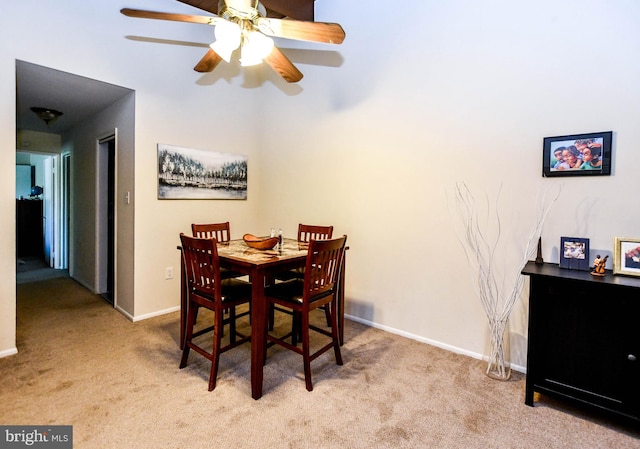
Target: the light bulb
(227, 39)
(255, 48)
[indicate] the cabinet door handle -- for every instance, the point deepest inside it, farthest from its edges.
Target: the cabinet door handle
(631, 357)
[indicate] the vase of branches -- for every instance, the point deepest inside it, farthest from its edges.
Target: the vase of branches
(481, 244)
(498, 365)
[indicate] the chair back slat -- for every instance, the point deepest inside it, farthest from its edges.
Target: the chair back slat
(201, 264)
(308, 232)
(218, 231)
(322, 270)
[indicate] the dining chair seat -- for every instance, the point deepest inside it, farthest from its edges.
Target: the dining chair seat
(292, 291)
(294, 273)
(231, 290)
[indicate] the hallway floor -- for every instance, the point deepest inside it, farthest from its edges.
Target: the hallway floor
(33, 269)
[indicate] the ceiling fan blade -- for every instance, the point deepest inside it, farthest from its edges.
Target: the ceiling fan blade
(206, 5)
(330, 33)
(208, 62)
(283, 67)
(169, 16)
(296, 9)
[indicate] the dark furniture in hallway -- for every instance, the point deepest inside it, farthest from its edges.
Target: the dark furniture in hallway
(29, 228)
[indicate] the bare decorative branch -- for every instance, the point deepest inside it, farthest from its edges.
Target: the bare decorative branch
(481, 247)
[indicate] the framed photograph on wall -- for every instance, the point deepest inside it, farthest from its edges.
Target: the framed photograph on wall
(577, 155)
(574, 253)
(626, 256)
(189, 173)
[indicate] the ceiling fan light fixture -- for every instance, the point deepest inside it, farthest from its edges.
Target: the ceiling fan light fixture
(47, 115)
(228, 37)
(255, 47)
(250, 16)
(244, 9)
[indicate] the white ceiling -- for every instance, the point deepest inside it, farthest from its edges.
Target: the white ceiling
(75, 96)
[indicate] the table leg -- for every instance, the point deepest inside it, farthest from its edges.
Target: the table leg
(183, 300)
(258, 328)
(341, 301)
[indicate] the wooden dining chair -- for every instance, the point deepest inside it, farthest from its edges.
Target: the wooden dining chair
(207, 289)
(222, 233)
(219, 231)
(305, 234)
(318, 288)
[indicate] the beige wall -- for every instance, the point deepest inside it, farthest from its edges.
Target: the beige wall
(7, 202)
(36, 141)
(85, 226)
(372, 140)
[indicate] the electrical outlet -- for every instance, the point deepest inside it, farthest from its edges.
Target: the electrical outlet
(168, 273)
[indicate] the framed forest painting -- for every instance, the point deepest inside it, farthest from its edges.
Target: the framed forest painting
(188, 173)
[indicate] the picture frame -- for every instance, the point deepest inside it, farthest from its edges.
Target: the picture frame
(189, 173)
(574, 253)
(577, 155)
(626, 256)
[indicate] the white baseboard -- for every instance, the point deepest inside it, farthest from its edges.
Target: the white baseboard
(8, 352)
(428, 341)
(125, 313)
(150, 315)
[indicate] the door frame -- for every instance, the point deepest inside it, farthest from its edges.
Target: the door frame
(103, 179)
(64, 211)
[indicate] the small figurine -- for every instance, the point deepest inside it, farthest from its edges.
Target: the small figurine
(598, 265)
(539, 259)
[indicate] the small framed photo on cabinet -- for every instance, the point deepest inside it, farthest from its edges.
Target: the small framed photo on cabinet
(574, 253)
(626, 256)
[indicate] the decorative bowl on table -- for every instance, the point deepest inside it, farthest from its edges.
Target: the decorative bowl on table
(260, 242)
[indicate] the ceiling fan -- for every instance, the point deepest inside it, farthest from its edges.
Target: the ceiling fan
(244, 24)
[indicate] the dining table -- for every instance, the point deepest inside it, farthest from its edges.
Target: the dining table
(260, 266)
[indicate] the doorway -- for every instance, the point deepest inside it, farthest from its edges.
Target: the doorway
(41, 211)
(106, 242)
(93, 137)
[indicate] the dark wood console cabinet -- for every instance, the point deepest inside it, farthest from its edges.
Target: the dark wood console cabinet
(584, 338)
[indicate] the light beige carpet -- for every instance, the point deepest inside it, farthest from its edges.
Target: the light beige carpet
(81, 363)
